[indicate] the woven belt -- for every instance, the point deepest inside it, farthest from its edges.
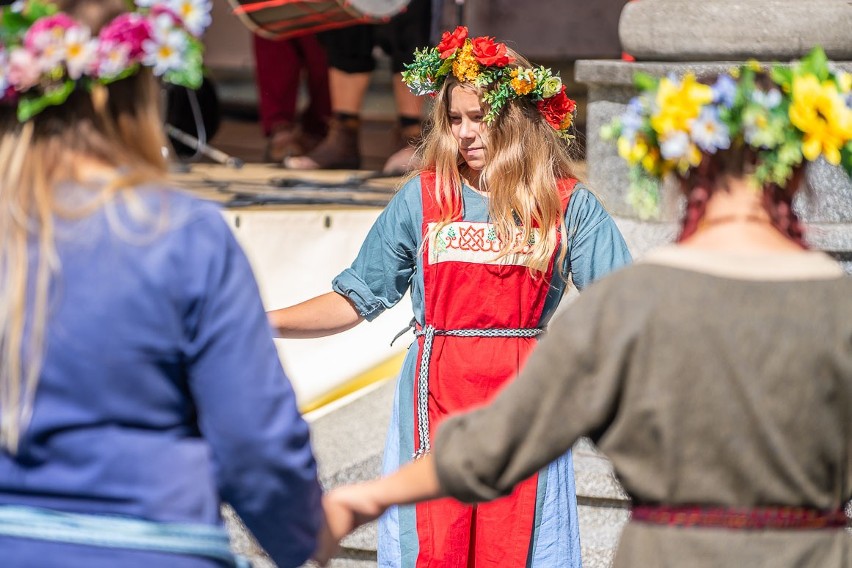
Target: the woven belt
(109, 531)
(752, 518)
(429, 332)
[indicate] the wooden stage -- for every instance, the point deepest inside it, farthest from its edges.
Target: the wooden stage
(255, 185)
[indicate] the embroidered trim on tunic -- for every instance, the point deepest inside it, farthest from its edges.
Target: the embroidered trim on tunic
(474, 242)
(756, 518)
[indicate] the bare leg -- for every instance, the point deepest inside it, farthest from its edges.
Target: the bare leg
(347, 90)
(409, 106)
(407, 103)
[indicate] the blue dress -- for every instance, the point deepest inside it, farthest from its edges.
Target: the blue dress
(161, 393)
(388, 265)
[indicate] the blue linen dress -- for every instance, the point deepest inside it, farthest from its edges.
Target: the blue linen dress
(161, 393)
(389, 264)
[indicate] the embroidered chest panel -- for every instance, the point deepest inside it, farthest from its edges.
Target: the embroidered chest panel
(472, 242)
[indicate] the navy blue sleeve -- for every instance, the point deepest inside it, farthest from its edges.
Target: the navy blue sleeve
(595, 245)
(247, 411)
(382, 271)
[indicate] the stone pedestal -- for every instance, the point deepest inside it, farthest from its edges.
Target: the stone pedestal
(685, 30)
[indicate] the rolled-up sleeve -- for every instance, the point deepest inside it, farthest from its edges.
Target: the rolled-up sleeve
(382, 271)
(595, 245)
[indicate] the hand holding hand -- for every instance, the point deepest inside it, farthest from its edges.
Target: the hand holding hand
(351, 506)
(346, 509)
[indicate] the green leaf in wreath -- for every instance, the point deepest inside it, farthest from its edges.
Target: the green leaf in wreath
(846, 158)
(29, 106)
(816, 62)
(191, 74)
(645, 82)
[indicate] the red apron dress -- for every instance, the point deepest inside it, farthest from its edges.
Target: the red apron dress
(481, 318)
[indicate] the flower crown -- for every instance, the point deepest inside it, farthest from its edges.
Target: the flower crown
(45, 54)
(484, 63)
(785, 115)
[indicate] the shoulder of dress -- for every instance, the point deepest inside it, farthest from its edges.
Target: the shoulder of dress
(583, 201)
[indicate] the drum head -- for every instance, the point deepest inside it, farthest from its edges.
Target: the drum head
(379, 9)
(282, 19)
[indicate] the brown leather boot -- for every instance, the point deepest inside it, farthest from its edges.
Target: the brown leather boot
(406, 159)
(283, 142)
(338, 151)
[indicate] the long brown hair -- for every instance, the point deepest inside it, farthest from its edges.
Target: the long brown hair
(118, 126)
(524, 161)
(703, 181)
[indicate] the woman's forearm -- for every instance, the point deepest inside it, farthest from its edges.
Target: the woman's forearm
(318, 317)
(414, 482)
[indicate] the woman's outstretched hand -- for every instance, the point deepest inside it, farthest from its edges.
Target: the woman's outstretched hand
(346, 509)
(350, 506)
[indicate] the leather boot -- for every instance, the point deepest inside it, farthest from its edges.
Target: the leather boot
(406, 159)
(283, 142)
(338, 151)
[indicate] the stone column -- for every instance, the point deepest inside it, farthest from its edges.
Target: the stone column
(676, 36)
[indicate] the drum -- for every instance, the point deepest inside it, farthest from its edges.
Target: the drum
(282, 19)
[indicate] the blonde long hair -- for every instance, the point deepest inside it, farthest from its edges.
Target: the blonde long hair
(118, 126)
(525, 159)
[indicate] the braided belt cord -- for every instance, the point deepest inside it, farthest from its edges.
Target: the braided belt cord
(428, 333)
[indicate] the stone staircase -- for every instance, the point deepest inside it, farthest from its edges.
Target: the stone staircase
(348, 444)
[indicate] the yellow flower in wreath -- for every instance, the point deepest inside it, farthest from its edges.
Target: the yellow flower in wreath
(679, 104)
(465, 66)
(818, 110)
(523, 81)
(633, 151)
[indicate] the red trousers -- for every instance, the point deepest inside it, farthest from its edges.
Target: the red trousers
(278, 69)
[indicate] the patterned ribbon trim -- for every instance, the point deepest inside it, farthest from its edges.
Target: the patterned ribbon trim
(757, 518)
(429, 333)
(110, 531)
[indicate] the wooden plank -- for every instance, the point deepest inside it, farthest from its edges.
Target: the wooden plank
(269, 185)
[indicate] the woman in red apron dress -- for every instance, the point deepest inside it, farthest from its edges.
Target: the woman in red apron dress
(717, 375)
(484, 239)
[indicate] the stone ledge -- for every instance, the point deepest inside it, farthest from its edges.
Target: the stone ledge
(614, 72)
(775, 29)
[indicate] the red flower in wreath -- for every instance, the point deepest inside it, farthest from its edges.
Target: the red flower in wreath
(451, 41)
(490, 53)
(558, 110)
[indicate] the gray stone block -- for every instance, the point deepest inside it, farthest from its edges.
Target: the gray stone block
(603, 507)
(685, 30)
(600, 530)
(828, 195)
(594, 477)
